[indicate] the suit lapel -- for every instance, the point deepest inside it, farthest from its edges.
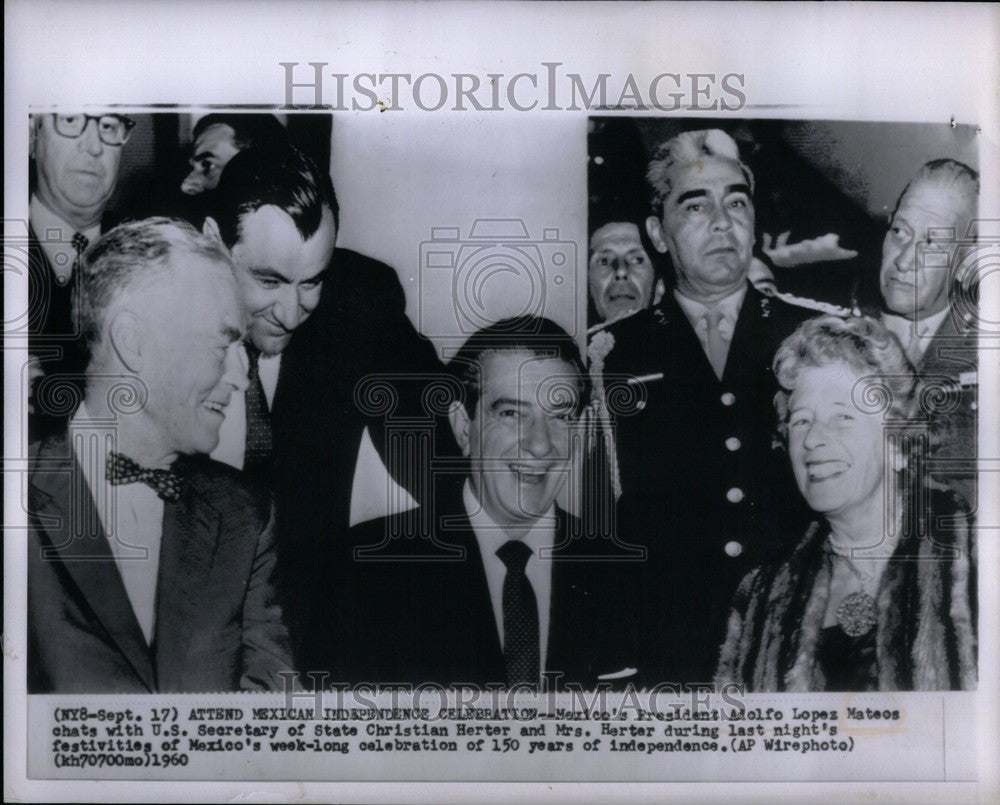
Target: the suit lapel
(187, 553)
(951, 351)
(748, 340)
(84, 551)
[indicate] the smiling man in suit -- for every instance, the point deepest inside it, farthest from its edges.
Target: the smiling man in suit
(150, 566)
(323, 322)
(493, 584)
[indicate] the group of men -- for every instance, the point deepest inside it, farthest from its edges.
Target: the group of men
(190, 522)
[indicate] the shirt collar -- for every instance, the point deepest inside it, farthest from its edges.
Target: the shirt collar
(729, 305)
(921, 328)
(44, 221)
(491, 536)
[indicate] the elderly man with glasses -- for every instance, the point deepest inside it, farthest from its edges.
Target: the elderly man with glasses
(75, 160)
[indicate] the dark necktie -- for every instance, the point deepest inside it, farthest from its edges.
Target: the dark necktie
(123, 470)
(520, 617)
(259, 439)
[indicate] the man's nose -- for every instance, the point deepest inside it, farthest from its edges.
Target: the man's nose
(288, 309)
(90, 140)
(721, 221)
(906, 259)
(235, 372)
(620, 267)
(536, 438)
(194, 183)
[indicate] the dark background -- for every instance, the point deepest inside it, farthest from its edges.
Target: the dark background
(812, 178)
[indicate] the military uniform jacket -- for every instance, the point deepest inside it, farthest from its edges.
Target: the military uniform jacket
(703, 488)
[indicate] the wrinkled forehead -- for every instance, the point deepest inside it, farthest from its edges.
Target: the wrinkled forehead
(620, 234)
(521, 374)
(834, 381)
(708, 173)
(942, 202)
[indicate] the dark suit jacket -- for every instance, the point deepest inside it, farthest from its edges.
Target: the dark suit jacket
(357, 362)
(416, 605)
(218, 623)
(950, 364)
(702, 487)
(53, 340)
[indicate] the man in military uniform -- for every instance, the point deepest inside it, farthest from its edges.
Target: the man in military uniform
(690, 392)
(932, 315)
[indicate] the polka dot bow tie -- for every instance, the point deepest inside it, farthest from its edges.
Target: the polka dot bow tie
(123, 470)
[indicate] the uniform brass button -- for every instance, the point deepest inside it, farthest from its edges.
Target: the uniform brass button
(733, 549)
(734, 495)
(733, 444)
(728, 398)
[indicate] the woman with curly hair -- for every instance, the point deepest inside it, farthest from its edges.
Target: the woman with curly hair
(879, 594)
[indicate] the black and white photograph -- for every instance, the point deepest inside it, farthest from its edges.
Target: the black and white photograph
(383, 425)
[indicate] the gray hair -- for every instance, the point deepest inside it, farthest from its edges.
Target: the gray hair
(131, 254)
(950, 177)
(686, 149)
(863, 343)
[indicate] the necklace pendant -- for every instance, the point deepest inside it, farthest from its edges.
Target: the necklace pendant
(857, 614)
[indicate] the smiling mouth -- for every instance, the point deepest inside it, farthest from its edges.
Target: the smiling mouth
(215, 407)
(530, 475)
(825, 470)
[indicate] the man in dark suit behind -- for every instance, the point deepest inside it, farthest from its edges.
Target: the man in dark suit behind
(933, 312)
(491, 583)
(690, 390)
(328, 343)
(151, 569)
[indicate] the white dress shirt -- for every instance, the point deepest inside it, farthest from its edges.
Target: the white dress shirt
(373, 492)
(490, 538)
(56, 238)
(132, 516)
(915, 336)
(729, 306)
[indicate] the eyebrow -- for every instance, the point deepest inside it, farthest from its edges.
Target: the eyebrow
(501, 402)
(203, 155)
(272, 273)
(701, 193)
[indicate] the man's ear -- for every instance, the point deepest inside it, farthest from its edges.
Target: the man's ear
(125, 334)
(658, 290)
(210, 229)
(460, 422)
(655, 231)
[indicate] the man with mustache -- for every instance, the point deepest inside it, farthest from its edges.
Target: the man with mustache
(75, 161)
(929, 229)
(150, 567)
(699, 487)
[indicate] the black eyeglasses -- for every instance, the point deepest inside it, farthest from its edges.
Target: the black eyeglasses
(112, 129)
